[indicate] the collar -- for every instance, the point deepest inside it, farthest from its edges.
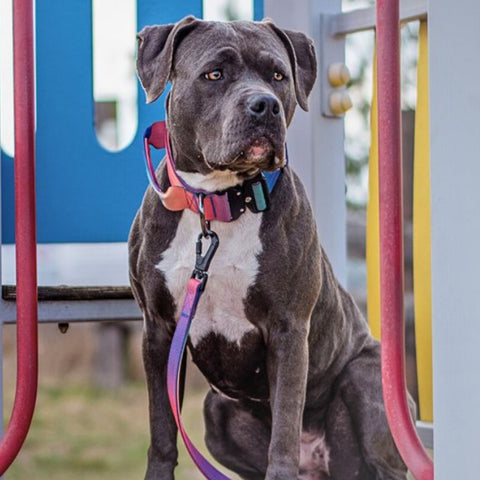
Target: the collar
(226, 205)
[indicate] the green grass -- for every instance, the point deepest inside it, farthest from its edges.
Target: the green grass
(81, 432)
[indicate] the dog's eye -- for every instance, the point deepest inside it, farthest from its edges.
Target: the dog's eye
(278, 76)
(214, 75)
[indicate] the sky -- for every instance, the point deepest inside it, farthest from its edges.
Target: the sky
(214, 9)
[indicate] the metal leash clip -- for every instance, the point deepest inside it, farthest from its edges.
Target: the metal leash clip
(202, 262)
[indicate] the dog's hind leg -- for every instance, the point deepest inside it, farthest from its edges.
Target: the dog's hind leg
(345, 458)
(238, 435)
(357, 429)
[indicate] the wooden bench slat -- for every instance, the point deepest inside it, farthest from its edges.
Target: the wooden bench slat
(66, 293)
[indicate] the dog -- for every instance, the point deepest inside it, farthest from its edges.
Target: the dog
(295, 377)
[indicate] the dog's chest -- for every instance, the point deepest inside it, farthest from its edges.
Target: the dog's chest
(232, 272)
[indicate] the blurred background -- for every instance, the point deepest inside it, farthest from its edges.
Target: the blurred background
(91, 418)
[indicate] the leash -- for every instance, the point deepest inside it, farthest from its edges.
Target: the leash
(224, 206)
(195, 288)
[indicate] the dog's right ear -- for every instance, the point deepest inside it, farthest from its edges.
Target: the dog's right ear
(155, 50)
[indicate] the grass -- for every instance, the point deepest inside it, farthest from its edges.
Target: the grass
(80, 431)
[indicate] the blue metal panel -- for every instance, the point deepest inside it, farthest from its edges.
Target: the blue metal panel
(84, 193)
(258, 10)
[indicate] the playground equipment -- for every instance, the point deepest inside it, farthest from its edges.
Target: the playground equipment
(316, 147)
(26, 242)
(391, 242)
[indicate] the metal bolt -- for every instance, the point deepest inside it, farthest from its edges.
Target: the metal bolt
(338, 74)
(340, 102)
(242, 210)
(63, 327)
(248, 199)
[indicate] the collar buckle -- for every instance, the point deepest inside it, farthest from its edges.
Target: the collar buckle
(253, 194)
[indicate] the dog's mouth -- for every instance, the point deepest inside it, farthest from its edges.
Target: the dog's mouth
(259, 154)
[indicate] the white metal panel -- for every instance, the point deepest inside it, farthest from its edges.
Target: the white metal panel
(454, 39)
(77, 311)
(316, 143)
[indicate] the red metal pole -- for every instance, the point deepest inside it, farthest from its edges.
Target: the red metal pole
(391, 242)
(25, 233)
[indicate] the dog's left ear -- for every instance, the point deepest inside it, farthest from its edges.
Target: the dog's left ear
(156, 48)
(301, 51)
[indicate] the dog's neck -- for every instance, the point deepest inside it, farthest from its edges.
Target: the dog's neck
(214, 181)
(198, 175)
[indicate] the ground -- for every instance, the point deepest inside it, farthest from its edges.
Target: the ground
(80, 431)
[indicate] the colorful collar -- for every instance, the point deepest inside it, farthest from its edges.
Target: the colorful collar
(224, 206)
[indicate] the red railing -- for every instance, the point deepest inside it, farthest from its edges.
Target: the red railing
(25, 234)
(391, 242)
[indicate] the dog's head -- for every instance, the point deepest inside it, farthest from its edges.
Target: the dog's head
(235, 86)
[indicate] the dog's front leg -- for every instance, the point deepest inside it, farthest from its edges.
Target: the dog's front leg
(287, 373)
(162, 454)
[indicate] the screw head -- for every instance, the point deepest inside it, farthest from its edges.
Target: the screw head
(338, 74)
(63, 327)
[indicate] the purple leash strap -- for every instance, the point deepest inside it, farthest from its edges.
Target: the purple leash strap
(195, 288)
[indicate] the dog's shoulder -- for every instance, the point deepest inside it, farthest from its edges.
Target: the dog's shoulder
(152, 231)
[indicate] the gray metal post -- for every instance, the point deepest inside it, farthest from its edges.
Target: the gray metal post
(316, 142)
(454, 39)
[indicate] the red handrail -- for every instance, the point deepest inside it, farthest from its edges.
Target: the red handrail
(25, 233)
(391, 242)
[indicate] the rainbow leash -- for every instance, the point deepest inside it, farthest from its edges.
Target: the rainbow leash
(195, 287)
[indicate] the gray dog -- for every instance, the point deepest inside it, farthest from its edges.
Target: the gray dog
(295, 376)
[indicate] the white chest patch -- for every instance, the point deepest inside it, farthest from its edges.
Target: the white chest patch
(231, 273)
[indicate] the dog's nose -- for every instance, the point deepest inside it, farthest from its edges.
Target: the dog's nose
(262, 106)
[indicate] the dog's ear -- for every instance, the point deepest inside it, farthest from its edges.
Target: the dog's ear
(301, 51)
(155, 50)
